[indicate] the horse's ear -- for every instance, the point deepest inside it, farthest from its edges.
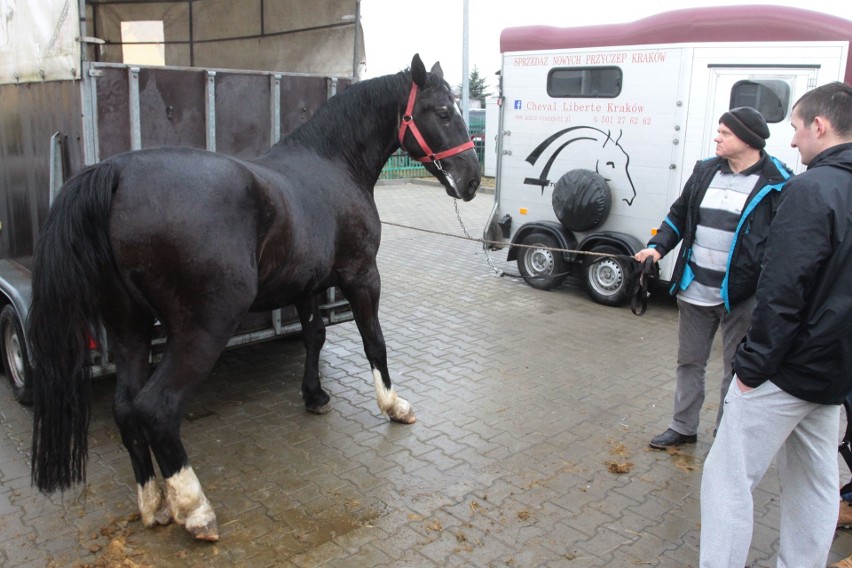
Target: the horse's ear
(436, 70)
(418, 71)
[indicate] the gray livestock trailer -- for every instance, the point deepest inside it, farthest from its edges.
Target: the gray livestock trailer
(82, 80)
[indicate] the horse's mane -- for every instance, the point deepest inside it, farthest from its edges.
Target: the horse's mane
(352, 114)
(362, 118)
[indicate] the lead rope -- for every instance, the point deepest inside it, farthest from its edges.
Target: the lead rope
(639, 278)
(640, 282)
(519, 245)
(467, 236)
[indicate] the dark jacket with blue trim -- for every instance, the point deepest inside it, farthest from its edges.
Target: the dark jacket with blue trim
(746, 257)
(801, 329)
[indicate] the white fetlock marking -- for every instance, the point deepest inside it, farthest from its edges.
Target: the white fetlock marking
(189, 505)
(150, 499)
(385, 397)
(389, 403)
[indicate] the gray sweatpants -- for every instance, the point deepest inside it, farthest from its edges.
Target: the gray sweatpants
(756, 426)
(697, 325)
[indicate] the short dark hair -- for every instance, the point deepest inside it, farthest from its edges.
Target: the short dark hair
(832, 101)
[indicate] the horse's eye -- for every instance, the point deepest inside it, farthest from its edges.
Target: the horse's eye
(444, 113)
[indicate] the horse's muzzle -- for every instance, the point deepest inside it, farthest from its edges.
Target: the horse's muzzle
(467, 176)
(469, 192)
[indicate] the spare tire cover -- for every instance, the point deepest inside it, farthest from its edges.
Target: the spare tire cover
(581, 200)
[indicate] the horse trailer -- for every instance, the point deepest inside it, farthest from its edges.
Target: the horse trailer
(82, 80)
(599, 127)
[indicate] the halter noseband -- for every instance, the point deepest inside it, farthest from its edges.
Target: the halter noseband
(408, 124)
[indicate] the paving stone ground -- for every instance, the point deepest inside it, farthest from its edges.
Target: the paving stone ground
(530, 449)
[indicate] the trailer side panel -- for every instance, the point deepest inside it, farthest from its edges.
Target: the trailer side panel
(41, 109)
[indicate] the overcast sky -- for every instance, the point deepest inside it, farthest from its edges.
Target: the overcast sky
(394, 30)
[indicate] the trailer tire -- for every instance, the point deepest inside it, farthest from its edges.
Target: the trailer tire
(541, 268)
(581, 200)
(16, 364)
(605, 278)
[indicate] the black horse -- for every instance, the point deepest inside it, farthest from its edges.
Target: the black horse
(196, 239)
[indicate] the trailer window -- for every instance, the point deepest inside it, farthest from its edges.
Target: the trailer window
(142, 43)
(771, 97)
(586, 82)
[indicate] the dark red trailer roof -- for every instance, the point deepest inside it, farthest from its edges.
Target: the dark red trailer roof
(715, 24)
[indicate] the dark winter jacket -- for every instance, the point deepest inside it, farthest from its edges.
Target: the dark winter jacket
(746, 255)
(801, 333)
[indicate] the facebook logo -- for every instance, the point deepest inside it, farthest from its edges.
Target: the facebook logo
(517, 105)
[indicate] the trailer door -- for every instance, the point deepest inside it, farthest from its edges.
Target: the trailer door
(771, 90)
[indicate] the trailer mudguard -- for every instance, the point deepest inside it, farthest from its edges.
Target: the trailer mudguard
(627, 243)
(565, 238)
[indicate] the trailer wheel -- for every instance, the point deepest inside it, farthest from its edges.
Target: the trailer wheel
(540, 267)
(606, 277)
(15, 361)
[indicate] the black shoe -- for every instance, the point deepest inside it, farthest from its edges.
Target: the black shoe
(670, 438)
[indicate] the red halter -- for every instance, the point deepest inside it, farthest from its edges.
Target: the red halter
(408, 123)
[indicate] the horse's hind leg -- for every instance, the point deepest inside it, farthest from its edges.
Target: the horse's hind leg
(190, 355)
(364, 300)
(132, 370)
(130, 330)
(313, 334)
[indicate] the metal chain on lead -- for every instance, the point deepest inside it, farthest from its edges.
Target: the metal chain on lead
(484, 246)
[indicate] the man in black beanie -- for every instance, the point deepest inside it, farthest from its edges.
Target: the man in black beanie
(721, 221)
(748, 125)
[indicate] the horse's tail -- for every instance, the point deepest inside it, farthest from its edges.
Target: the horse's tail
(71, 260)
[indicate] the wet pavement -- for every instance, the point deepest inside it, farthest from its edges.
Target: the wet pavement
(534, 410)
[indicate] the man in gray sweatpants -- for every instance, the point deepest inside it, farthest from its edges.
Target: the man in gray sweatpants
(794, 367)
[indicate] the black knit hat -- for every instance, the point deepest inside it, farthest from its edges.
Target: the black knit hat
(748, 124)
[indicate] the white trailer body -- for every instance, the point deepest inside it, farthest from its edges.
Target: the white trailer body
(608, 124)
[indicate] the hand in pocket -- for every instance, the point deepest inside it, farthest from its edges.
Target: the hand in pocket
(742, 386)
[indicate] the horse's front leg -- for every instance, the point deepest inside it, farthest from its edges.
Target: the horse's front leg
(313, 335)
(365, 307)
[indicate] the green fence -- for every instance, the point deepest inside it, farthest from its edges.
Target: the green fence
(401, 166)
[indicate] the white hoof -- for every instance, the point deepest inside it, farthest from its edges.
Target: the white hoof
(396, 408)
(402, 412)
(189, 506)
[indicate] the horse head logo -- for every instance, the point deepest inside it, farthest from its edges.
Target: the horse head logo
(606, 154)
